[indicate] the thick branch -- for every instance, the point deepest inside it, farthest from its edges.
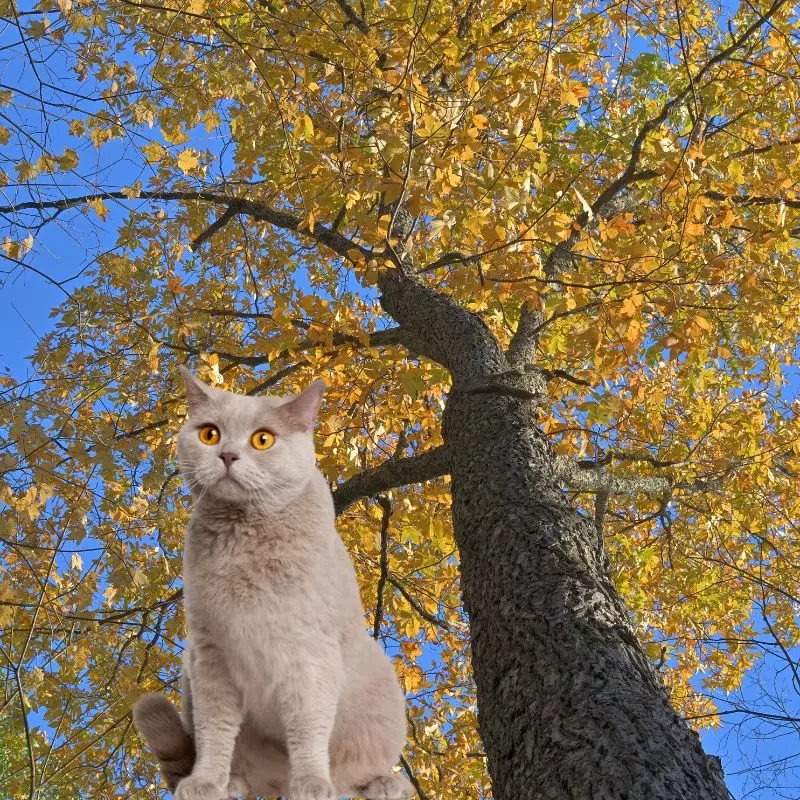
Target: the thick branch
(569, 474)
(257, 210)
(390, 475)
(386, 507)
(434, 325)
(522, 349)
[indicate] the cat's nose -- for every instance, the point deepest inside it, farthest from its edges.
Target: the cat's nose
(228, 458)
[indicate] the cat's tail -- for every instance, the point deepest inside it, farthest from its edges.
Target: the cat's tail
(159, 723)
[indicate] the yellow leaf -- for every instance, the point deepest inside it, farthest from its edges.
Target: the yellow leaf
(735, 172)
(175, 285)
(99, 207)
(702, 323)
(569, 98)
(69, 160)
(76, 561)
(154, 152)
(139, 578)
(188, 160)
(10, 247)
(25, 171)
(132, 192)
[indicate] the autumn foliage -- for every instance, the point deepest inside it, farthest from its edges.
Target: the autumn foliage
(621, 177)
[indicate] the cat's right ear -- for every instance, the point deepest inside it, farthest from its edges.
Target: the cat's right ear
(197, 393)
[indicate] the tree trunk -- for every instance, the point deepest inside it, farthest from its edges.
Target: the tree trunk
(569, 704)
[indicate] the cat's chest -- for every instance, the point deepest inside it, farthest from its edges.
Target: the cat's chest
(244, 582)
(239, 565)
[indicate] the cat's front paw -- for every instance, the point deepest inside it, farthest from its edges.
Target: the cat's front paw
(238, 787)
(388, 787)
(310, 787)
(193, 787)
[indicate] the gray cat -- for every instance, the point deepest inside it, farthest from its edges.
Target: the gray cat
(284, 691)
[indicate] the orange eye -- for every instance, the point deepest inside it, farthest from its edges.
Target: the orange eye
(262, 440)
(209, 434)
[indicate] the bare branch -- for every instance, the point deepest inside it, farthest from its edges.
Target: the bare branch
(413, 778)
(352, 16)
(386, 507)
(391, 474)
(426, 615)
(569, 473)
(552, 374)
(215, 226)
(336, 241)
(753, 199)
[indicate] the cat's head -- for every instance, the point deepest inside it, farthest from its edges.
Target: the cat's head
(247, 450)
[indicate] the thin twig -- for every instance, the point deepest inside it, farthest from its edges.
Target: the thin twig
(413, 778)
(386, 506)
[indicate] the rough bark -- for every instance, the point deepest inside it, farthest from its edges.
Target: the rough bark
(570, 707)
(569, 704)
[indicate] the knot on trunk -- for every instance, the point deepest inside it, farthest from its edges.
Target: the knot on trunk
(526, 382)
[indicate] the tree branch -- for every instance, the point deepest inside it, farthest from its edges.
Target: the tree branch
(386, 507)
(227, 215)
(352, 16)
(523, 344)
(655, 122)
(427, 616)
(752, 199)
(391, 474)
(431, 324)
(434, 325)
(522, 348)
(569, 474)
(413, 778)
(336, 241)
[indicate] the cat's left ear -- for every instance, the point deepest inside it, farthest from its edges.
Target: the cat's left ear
(304, 408)
(197, 393)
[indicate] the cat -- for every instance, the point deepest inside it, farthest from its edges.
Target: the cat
(284, 691)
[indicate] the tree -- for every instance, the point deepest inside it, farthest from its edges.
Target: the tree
(546, 258)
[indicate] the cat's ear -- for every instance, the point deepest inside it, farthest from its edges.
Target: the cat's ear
(197, 393)
(304, 408)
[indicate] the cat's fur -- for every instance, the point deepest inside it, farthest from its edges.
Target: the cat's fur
(284, 692)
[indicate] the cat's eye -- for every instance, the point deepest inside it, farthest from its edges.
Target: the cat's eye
(262, 440)
(209, 434)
